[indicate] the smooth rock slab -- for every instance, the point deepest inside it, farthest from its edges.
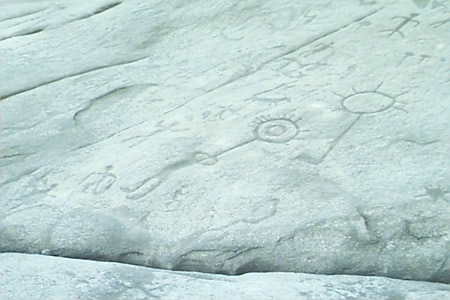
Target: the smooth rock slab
(24, 276)
(228, 137)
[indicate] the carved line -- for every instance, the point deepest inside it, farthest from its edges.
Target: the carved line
(4, 97)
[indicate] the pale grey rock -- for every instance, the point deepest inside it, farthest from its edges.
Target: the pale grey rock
(228, 137)
(25, 276)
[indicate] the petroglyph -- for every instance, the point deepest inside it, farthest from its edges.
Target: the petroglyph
(408, 54)
(318, 160)
(417, 142)
(405, 57)
(440, 23)
(299, 65)
(369, 102)
(276, 130)
(366, 2)
(439, 3)
(205, 159)
(290, 67)
(142, 188)
(317, 56)
(406, 20)
(167, 92)
(274, 95)
(436, 192)
(99, 182)
(358, 103)
(177, 198)
(308, 16)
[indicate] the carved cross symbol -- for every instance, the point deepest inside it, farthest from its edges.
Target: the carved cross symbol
(405, 21)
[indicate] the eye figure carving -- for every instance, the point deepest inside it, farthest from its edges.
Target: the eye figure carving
(276, 130)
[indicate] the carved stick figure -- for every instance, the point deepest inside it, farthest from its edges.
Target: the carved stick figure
(407, 54)
(405, 21)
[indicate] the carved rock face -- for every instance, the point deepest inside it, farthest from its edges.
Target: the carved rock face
(228, 137)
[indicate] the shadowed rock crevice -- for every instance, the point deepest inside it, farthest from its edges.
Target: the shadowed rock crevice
(25, 33)
(99, 280)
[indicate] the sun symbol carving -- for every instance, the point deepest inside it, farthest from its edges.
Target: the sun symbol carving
(280, 129)
(370, 102)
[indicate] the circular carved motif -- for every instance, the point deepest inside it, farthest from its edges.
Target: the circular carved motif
(279, 130)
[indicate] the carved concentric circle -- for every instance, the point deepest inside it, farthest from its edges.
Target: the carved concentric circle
(278, 130)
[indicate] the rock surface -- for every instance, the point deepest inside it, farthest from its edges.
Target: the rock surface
(25, 276)
(228, 136)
